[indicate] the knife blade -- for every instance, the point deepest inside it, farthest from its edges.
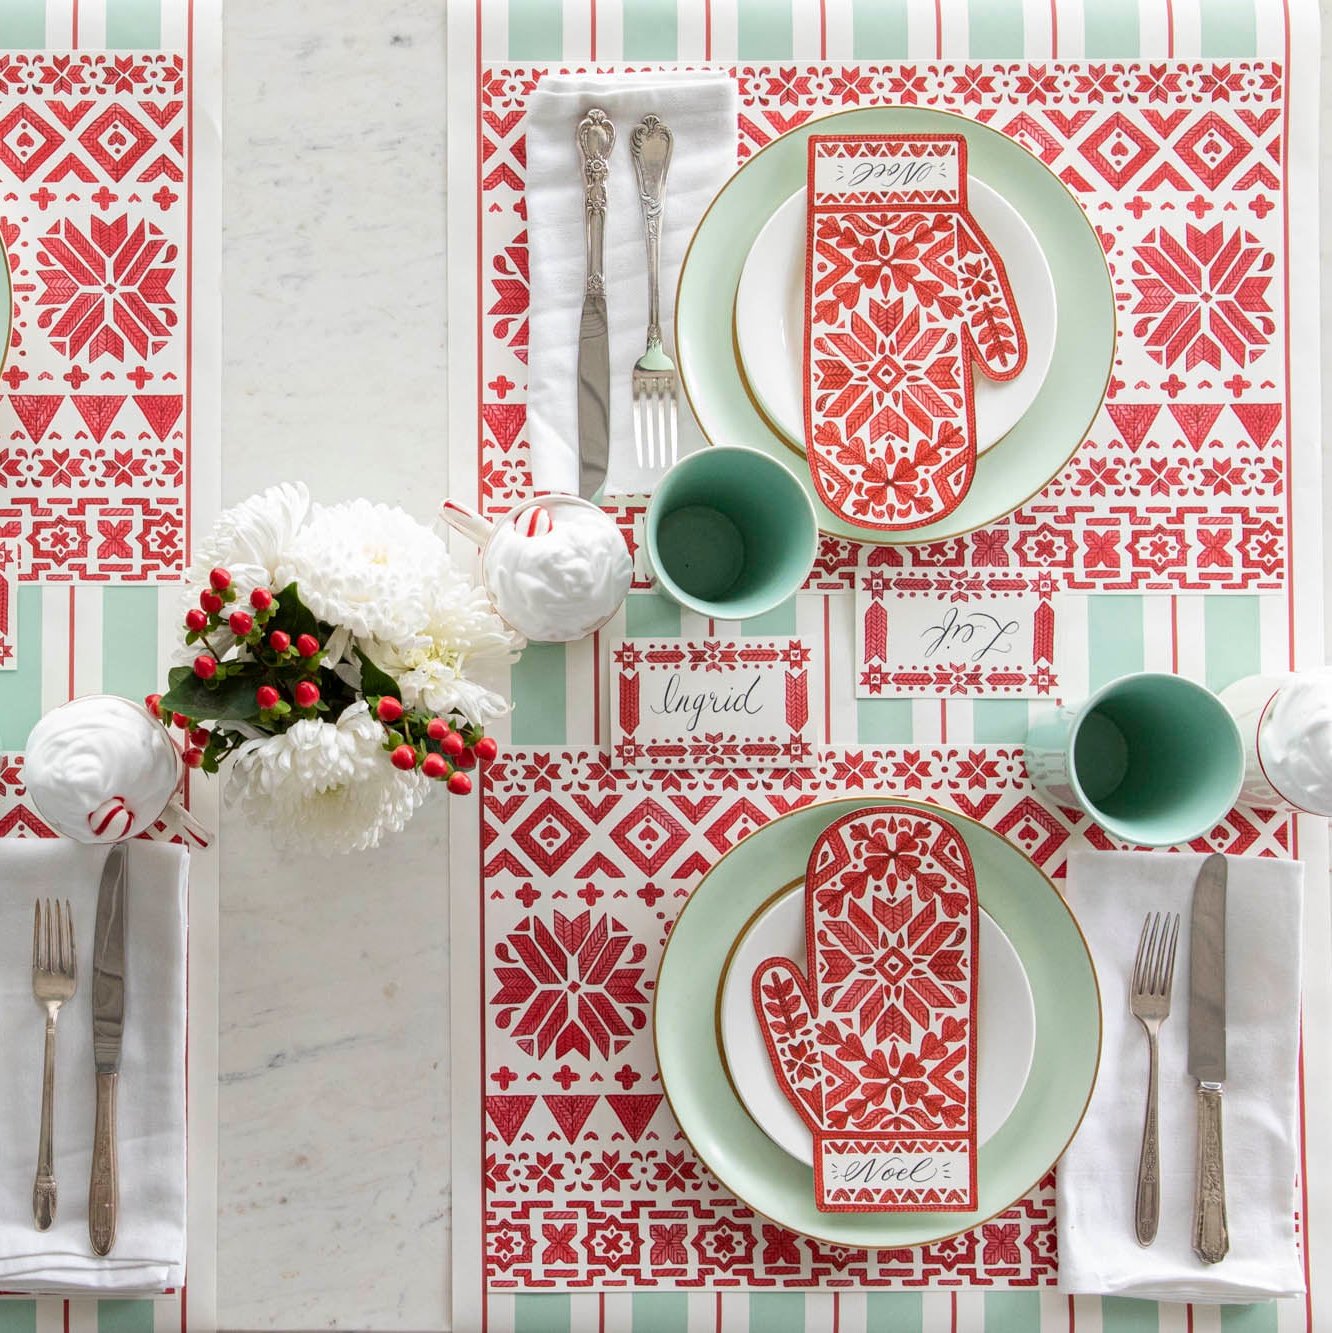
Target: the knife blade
(108, 1005)
(596, 139)
(1207, 1054)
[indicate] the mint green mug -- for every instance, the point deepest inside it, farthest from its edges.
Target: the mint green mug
(1154, 759)
(730, 533)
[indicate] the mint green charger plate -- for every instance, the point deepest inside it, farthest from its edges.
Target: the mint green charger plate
(1028, 458)
(1022, 901)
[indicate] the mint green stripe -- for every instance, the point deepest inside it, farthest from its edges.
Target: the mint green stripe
(129, 641)
(1119, 1314)
(763, 29)
(894, 1312)
(1230, 27)
(536, 30)
(995, 721)
(1114, 638)
(21, 689)
(18, 1317)
(1110, 30)
(23, 23)
(124, 1317)
(883, 721)
(780, 620)
(134, 23)
(660, 1312)
(649, 30)
(776, 1312)
(1012, 1311)
(994, 29)
(647, 616)
(537, 681)
(1249, 1318)
(1231, 637)
(544, 1313)
(879, 29)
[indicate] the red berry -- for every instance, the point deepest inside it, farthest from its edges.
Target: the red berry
(467, 759)
(195, 619)
(241, 622)
(210, 601)
(307, 645)
(261, 599)
(434, 766)
(306, 694)
(180, 720)
(200, 736)
(453, 744)
(193, 757)
(437, 728)
(279, 641)
(460, 784)
(404, 757)
(388, 709)
(153, 703)
(485, 749)
(220, 579)
(205, 667)
(266, 696)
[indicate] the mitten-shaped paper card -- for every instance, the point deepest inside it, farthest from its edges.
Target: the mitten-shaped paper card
(904, 295)
(874, 1044)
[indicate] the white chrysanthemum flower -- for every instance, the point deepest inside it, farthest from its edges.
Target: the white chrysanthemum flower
(462, 637)
(326, 786)
(370, 567)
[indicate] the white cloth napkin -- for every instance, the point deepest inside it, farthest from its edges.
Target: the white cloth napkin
(700, 110)
(1110, 893)
(149, 1251)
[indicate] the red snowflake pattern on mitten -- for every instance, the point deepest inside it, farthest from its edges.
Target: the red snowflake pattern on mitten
(904, 293)
(874, 1043)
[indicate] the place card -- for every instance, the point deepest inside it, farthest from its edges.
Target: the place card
(711, 703)
(973, 636)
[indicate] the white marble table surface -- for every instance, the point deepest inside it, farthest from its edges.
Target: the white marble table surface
(334, 1135)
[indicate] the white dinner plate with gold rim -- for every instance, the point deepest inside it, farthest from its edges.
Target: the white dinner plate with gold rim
(770, 317)
(1005, 1020)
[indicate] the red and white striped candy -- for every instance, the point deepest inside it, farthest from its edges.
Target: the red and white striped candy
(534, 522)
(112, 820)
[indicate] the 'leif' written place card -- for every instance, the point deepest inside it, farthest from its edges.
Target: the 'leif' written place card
(714, 703)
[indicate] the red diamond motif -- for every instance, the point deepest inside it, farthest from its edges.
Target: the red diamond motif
(116, 141)
(649, 836)
(26, 141)
(1118, 149)
(550, 835)
(1034, 829)
(1212, 149)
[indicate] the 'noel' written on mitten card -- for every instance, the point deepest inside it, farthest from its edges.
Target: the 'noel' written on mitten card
(904, 294)
(874, 1044)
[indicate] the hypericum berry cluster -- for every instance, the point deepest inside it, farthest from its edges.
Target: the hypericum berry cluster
(442, 748)
(197, 738)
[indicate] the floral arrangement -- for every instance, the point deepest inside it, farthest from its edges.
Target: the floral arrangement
(329, 655)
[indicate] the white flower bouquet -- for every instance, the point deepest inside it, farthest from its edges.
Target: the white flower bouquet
(328, 654)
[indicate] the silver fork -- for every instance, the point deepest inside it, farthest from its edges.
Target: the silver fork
(656, 440)
(1149, 1003)
(55, 976)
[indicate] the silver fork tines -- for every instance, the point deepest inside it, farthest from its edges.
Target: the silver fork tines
(656, 437)
(1149, 1003)
(54, 979)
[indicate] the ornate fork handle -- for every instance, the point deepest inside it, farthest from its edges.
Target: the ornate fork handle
(1147, 1204)
(44, 1185)
(650, 148)
(596, 138)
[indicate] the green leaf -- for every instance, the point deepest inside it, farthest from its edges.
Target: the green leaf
(375, 682)
(230, 700)
(294, 616)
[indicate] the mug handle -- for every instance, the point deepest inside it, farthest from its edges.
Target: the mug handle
(179, 821)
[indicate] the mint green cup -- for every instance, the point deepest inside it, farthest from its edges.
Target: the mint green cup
(1154, 759)
(730, 533)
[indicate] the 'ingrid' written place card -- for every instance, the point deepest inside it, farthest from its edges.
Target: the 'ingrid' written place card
(713, 703)
(961, 636)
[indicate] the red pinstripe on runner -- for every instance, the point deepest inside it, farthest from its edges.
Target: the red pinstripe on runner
(1174, 633)
(938, 55)
(1072, 1317)
(707, 29)
(71, 642)
(1054, 55)
(823, 29)
(827, 673)
(592, 34)
(1170, 51)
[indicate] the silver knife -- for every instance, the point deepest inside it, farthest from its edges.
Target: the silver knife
(596, 138)
(1207, 1054)
(108, 1004)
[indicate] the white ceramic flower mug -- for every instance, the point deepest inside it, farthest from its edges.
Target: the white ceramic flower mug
(102, 769)
(556, 568)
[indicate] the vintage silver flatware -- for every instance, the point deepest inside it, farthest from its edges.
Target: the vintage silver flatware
(596, 138)
(656, 419)
(1149, 1003)
(1207, 1054)
(108, 1005)
(54, 980)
